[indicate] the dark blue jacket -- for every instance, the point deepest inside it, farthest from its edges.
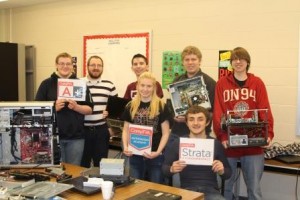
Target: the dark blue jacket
(70, 123)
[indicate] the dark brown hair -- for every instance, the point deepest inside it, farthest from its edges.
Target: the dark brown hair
(240, 53)
(139, 56)
(195, 109)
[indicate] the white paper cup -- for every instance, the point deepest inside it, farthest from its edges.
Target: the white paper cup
(106, 188)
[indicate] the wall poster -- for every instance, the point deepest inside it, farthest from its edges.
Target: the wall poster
(225, 67)
(171, 67)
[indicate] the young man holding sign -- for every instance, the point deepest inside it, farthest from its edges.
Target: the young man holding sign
(69, 111)
(197, 161)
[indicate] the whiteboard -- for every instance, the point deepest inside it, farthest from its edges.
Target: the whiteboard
(117, 50)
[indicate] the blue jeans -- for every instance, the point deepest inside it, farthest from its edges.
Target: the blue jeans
(252, 167)
(71, 151)
(146, 169)
(210, 193)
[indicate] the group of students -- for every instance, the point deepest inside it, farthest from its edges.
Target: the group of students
(81, 125)
(240, 91)
(84, 134)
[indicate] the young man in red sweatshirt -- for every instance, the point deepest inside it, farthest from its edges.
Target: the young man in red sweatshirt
(241, 91)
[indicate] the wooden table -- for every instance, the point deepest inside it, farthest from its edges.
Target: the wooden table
(280, 167)
(127, 191)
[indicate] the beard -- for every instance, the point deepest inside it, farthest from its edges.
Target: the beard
(94, 75)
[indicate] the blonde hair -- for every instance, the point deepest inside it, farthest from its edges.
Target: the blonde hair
(155, 104)
(191, 50)
(62, 55)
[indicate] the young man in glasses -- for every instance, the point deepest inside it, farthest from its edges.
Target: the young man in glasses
(241, 92)
(69, 113)
(96, 129)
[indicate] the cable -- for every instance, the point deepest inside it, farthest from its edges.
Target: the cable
(118, 155)
(1, 144)
(296, 188)
(34, 167)
(276, 143)
(234, 182)
(14, 144)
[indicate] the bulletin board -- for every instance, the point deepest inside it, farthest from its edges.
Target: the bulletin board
(171, 67)
(117, 50)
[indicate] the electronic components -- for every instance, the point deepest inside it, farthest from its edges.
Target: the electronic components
(110, 166)
(189, 92)
(26, 134)
(246, 127)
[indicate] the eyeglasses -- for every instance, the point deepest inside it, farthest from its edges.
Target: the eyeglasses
(96, 65)
(65, 64)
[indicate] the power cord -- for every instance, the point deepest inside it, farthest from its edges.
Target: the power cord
(238, 174)
(296, 188)
(119, 155)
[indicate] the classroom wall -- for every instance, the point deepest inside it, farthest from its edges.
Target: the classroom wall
(269, 29)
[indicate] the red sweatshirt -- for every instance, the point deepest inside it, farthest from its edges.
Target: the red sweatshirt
(230, 96)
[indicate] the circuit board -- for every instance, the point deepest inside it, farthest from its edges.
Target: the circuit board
(26, 134)
(189, 92)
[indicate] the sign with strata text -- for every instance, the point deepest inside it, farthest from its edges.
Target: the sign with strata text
(196, 151)
(71, 89)
(140, 139)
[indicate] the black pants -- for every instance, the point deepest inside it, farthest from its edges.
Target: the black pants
(96, 145)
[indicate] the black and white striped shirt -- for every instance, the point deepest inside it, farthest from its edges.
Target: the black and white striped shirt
(100, 91)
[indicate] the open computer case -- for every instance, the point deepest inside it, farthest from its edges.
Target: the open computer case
(189, 92)
(27, 136)
(246, 127)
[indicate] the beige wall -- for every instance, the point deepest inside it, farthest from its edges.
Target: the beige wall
(269, 29)
(4, 24)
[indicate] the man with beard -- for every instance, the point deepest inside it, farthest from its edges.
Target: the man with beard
(96, 129)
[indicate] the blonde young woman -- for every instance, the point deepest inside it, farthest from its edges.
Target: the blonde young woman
(147, 109)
